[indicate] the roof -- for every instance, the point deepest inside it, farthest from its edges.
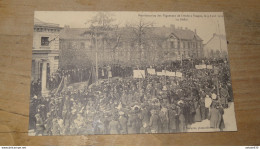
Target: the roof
(216, 42)
(185, 34)
(72, 33)
(38, 22)
(219, 36)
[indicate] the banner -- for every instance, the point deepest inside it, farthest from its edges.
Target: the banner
(139, 73)
(170, 74)
(151, 71)
(160, 73)
(198, 66)
(178, 74)
(209, 67)
(163, 73)
(203, 66)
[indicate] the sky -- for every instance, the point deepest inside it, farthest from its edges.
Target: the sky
(205, 23)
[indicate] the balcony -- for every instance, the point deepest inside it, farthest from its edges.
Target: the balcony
(45, 47)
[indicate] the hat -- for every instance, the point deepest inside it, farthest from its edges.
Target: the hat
(173, 107)
(164, 110)
(214, 96)
(153, 111)
(37, 115)
(180, 102)
(121, 113)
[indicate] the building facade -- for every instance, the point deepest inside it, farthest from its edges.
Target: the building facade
(216, 47)
(81, 47)
(45, 52)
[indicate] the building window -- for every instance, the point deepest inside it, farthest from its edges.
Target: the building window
(172, 44)
(69, 45)
(45, 41)
(56, 57)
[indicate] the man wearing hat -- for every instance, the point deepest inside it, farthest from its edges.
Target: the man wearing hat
(123, 123)
(145, 129)
(114, 126)
(39, 125)
(154, 122)
(224, 96)
(172, 119)
(164, 119)
(145, 114)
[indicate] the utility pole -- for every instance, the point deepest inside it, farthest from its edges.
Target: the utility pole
(216, 71)
(96, 55)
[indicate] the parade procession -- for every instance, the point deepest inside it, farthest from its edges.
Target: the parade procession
(107, 80)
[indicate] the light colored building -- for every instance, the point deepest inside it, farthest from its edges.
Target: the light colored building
(185, 44)
(158, 44)
(45, 52)
(216, 47)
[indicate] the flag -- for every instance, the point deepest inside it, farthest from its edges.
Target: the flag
(60, 87)
(92, 77)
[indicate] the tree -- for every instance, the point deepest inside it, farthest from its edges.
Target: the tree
(105, 32)
(141, 33)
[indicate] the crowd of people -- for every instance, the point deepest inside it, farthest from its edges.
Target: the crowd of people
(126, 105)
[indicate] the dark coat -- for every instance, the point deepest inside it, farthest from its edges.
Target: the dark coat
(172, 119)
(214, 116)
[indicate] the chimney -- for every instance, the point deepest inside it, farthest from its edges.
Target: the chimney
(66, 26)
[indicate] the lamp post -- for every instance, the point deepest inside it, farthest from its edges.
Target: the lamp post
(96, 55)
(216, 70)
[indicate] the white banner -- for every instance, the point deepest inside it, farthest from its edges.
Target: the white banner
(203, 66)
(178, 74)
(151, 71)
(170, 74)
(209, 67)
(160, 73)
(139, 73)
(198, 66)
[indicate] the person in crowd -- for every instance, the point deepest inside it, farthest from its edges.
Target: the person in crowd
(197, 117)
(221, 111)
(39, 125)
(214, 116)
(182, 122)
(208, 102)
(123, 123)
(114, 126)
(154, 122)
(172, 119)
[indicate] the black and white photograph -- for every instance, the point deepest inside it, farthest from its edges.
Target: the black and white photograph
(129, 72)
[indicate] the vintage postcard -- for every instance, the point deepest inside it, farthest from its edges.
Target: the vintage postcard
(130, 73)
